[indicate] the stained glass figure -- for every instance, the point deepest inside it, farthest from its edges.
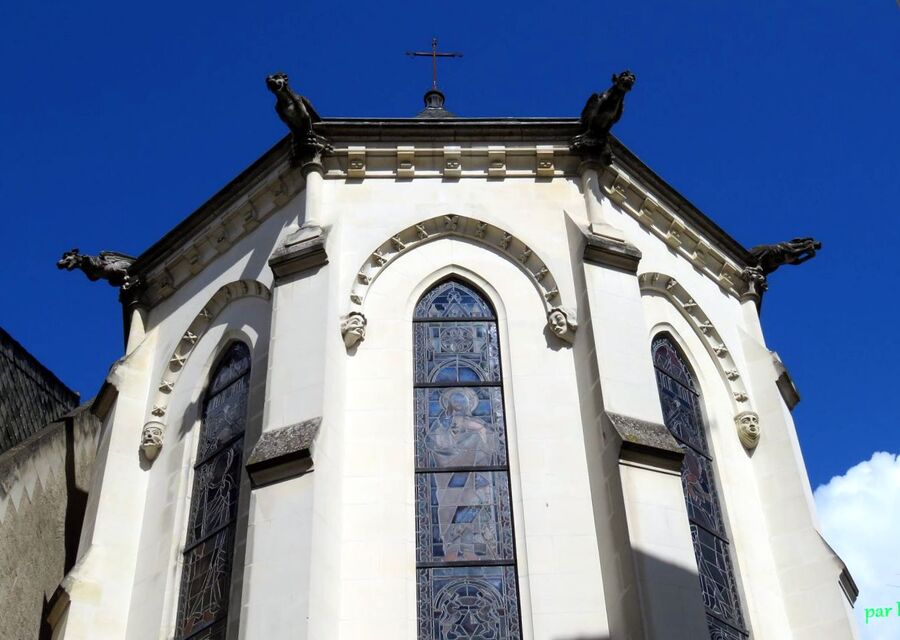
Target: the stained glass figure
(206, 576)
(465, 553)
(683, 416)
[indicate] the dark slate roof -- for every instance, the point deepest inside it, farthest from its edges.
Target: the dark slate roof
(30, 395)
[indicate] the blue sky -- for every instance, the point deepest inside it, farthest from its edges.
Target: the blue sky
(777, 119)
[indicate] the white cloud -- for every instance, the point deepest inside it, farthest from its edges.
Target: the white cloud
(860, 516)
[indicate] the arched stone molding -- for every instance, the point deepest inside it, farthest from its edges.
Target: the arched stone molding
(456, 226)
(669, 288)
(153, 430)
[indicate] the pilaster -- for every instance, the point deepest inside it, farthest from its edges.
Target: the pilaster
(808, 569)
(296, 487)
(100, 584)
(643, 481)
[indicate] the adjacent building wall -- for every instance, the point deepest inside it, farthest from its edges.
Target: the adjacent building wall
(43, 494)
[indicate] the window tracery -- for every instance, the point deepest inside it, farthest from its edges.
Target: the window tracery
(465, 551)
(683, 416)
(206, 574)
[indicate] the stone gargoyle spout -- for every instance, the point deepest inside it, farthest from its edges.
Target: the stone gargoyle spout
(108, 265)
(599, 115)
(770, 257)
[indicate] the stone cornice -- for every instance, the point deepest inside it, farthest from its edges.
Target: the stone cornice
(451, 149)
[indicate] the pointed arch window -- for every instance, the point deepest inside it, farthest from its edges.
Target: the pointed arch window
(209, 548)
(465, 551)
(682, 414)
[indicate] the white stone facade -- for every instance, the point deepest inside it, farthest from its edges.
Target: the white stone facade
(602, 538)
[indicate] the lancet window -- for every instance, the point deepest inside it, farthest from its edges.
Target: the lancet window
(465, 551)
(682, 413)
(206, 577)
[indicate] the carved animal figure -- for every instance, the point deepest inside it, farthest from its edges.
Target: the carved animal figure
(109, 265)
(600, 113)
(797, 251)
(294, 110)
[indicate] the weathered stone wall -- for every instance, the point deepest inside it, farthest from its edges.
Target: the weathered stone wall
(43, 492)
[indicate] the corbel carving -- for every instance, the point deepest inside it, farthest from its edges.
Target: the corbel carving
(152, 439)
(452, 162)
(353, 328)
(747, 423)
(562, 323)
(545, 166)
(356, 162)
(496, 162)
(406, 161)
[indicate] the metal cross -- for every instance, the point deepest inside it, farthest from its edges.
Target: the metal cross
(434, 54)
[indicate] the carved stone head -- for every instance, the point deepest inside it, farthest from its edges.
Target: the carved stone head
(70, 260)
(152, 439)
(624, 80)
(353, 328)
(277, 82)
(747, 423)
(562, 323)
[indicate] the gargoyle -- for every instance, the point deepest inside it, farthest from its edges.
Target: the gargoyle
(600, 113)
(109, 265)
(797, 251)
(297, 113)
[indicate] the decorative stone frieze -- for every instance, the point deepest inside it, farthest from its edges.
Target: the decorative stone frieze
(235, 222)
(454, 162)
(670, 288)
(747, 423)
(451, 225)
(155, 429)
(637, 202)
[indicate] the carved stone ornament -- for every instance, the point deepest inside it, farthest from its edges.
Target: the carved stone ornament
(108, 265)
(152, 439)
(797, 251)
(299, 115)
(756, 280)
(353, 328)
(599, 115)
(562, 323)
(747, 423)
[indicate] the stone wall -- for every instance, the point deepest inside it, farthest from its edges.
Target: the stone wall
(43, 493)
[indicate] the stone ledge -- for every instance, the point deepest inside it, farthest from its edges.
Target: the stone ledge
(283, 454)
(646, 440)
(303, 256)
(611, 253)
(785, 383)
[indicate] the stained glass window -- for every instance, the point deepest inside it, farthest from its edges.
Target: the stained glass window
(465, 554)
(206, 577)
(683, 416)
